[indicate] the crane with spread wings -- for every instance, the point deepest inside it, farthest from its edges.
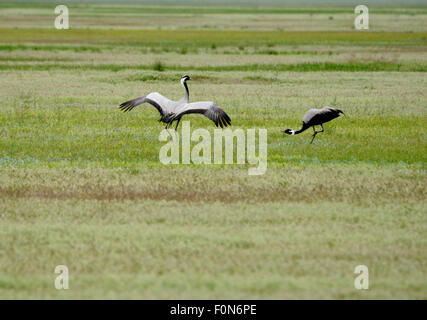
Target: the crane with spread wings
(174, 110)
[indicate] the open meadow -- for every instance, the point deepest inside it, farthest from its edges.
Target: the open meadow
(81, 184)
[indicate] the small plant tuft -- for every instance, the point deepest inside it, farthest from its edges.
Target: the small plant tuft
(158, 66)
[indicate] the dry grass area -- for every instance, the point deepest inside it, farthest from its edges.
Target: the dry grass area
(82, 185)
(306, 183)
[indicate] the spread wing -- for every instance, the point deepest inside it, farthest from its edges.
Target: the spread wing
(161, 103)
(208, 108)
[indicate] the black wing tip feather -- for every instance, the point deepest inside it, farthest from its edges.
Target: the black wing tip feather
(126, 106)
(227, 119)
(129, 105)
(223, 120)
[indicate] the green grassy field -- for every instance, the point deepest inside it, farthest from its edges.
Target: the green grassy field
(82, 185)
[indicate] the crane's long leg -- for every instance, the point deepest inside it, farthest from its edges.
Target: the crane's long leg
(167, 126)
(316, 132)
(179, 119)
(314, 135)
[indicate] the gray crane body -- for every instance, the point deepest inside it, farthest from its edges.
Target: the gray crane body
(315, 117)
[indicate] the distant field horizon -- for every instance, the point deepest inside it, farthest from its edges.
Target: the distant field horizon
(243, 3)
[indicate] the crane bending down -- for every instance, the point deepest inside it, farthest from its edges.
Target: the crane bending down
(315, 117)
(174, 110)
